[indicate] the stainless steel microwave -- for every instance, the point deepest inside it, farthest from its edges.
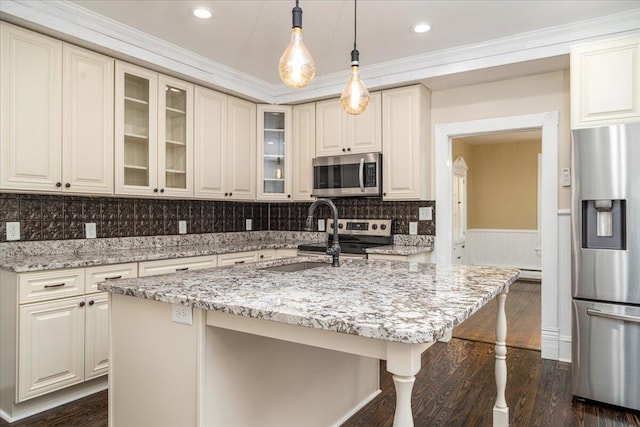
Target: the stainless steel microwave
(349, 175)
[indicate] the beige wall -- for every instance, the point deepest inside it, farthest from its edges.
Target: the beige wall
(525, 95)
(502, 184)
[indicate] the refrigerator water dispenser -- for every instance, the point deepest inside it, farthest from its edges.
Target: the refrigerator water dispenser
(603, 224)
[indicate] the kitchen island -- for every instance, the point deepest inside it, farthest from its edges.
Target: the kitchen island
(254, 352)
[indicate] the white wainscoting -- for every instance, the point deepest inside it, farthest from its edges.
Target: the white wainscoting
(506, 248)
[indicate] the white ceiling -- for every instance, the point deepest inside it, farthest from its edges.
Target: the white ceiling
(237, 51)
(250, 36)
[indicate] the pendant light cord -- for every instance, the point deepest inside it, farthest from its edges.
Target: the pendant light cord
(355, 22)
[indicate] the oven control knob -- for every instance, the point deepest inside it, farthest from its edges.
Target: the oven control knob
(340, 225)
(383, 226)
(374, 227)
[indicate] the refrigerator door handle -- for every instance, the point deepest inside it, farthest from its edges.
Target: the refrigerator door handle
(615, 316)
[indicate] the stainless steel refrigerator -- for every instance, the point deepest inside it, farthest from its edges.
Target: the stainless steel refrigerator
(605, 266)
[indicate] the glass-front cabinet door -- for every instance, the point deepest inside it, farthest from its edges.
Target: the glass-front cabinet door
(274, 152)
(175, 137)
(135, 130)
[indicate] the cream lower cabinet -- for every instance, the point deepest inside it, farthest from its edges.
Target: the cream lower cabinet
(406, 134)
(165, 266)
(237, 258)
(605, 82)
(51, 346)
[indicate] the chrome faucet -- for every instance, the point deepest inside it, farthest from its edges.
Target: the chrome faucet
(334, 250)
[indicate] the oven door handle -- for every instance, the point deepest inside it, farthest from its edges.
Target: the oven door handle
(615, 316)
(361, 174)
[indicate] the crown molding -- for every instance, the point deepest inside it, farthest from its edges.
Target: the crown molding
(74, 23)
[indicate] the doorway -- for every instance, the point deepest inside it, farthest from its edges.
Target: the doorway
(547, 123)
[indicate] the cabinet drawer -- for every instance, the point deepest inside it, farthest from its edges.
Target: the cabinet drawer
(286, 253)
(237, 258)
(48, 285)
(97, 275)
(152, 268)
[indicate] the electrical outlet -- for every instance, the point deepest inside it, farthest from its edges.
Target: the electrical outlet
(413, 228)
(90, 230)
(13, 230)
(425, 213)
(321, 225)
(247, 224)
(182, 227)
(182, 314)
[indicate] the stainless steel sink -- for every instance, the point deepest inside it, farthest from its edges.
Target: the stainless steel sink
(298, 266)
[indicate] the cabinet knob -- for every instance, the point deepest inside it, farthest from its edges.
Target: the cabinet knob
(67, 185)
(226, 194)
(81, 303)
(162, 190)
(311, 195)
(288, 196)
(58, 184)
(230, 194)
(91, 302)
(261, 256)
(348, 149)
(384, 194)
(344, 149)
(155, 190)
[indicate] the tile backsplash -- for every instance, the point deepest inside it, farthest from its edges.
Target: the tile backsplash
(57, 217)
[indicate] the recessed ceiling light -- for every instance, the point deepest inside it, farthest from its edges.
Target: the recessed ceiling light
(202, 12)
(421, 28)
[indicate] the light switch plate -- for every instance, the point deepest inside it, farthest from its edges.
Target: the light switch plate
(321, 225)
(182, 227)
(90, 230)
(13, 231)
(247, 224)
(425, 213)
(413, 228)
(566, 177)
(182, 314)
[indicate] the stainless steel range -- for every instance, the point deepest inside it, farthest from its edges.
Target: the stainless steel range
(356, 235)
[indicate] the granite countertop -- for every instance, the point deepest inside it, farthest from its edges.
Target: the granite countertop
(26, 263)
(392, 301)
(399, 250)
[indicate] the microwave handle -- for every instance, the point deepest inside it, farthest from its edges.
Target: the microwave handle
(361, 174)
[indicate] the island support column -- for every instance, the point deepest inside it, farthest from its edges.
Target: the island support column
(500, 409)
(404, 362)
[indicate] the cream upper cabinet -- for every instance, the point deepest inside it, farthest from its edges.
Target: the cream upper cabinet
(154, 133)
(241, 149)
(406, 143)
(340, 133)
(87, 122)
(210, 144)
(274, 152)
(57, 101)
(605, 82)
(30, 110)
(303, 150)
(225, 147)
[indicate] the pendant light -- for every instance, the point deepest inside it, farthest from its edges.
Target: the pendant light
(355, 96)
(296, 66)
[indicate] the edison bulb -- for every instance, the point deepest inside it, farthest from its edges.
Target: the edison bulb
(355, 96)
(296, 66)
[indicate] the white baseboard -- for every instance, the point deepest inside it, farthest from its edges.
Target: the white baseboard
(52, 400)
(357, 408)
(549, 348)
(530, 274)
(565, 348)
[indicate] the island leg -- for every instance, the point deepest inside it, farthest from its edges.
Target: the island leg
(403, 362)
(501, 410)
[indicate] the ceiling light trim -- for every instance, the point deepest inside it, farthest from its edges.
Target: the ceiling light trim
(113, 38)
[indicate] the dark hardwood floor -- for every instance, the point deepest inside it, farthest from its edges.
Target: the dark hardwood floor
(523, 318)
(455, 386)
